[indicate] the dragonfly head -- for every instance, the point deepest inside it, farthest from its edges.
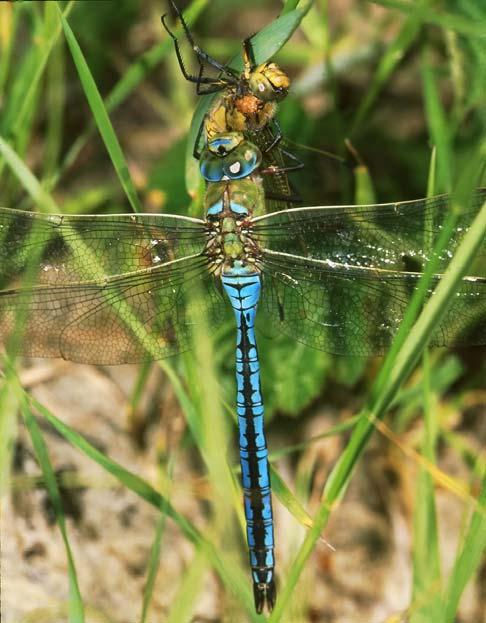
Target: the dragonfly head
(229, 156)
(269, 83)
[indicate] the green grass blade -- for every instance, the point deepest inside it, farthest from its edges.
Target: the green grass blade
(266, 44)
(17, 92)
(469, 559)
(402, 365)
(426, 558)
(388, 64)
(137, 72)
(153, 567)
(132, 78)
(8, 28)
(289, 5)
(76, 609)
(154, 560)
(55, 97)
(439, 129)
(39, 196)
(21, 104)
(182, 610)
(289, 500)
(365, 190)
(101, 117)
(448, 20)
(21, 83)
(231, 576)
(8, 434)
(137, 394)
(51, 33)
(338, 429)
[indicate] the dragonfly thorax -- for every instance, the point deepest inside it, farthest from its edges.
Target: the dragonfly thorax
(234, 194)
(229, 208)
(230, 249)
(233, 243)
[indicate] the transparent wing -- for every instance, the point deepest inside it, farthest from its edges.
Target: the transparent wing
(143, 315)
(103, 289)
(68, 249)
(356, 311)
(392, 236)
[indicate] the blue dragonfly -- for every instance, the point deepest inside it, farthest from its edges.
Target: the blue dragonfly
(113, 289)
(246, 103)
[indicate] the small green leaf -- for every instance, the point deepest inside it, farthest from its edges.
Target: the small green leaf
(284, 390)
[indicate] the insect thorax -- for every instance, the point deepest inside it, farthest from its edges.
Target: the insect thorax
(229, 208)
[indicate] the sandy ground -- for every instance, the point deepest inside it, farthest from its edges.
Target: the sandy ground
(366, 580)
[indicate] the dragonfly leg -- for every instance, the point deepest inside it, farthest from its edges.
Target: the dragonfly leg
(274, 170)
(296, 166)
(200, 55)
(217, 85)
(196, 152)
(189, 77)
(277, 137)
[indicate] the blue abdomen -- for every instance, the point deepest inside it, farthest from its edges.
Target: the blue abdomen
(244, 290)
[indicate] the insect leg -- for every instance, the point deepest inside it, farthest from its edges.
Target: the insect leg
(196, 152)
(201, 55)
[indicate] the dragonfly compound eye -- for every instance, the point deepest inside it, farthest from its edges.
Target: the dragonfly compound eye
(242, 161)
(211, 166)
(229, 156)
(269, 83)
